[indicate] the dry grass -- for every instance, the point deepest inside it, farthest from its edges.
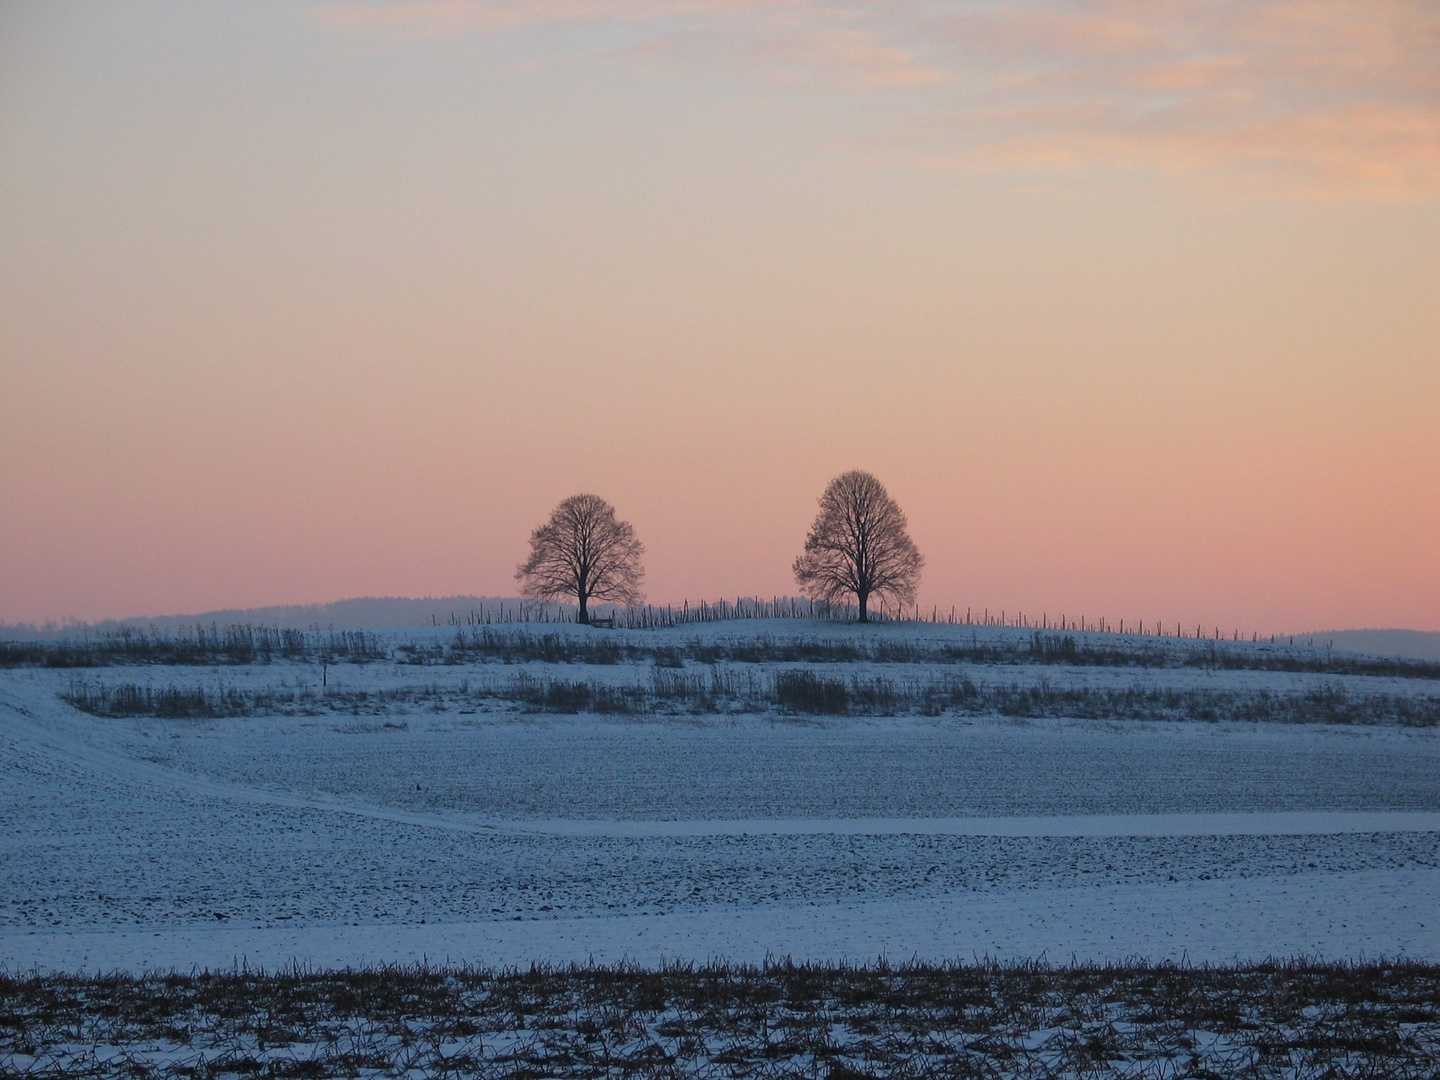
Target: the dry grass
(1045, 648)
(238, 645)
(204, 646)
(746, 690)
(1294, 1019)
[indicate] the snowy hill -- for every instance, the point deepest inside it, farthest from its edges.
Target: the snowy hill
(361, 613)
(512, 792)
(1411, 644)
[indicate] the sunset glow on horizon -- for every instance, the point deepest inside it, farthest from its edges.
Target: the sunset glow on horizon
(1134, 307)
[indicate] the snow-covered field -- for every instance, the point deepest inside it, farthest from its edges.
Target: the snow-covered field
(449, 826)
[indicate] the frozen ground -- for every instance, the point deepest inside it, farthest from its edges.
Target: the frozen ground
(502, 837)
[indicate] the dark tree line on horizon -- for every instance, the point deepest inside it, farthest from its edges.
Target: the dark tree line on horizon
(858, 546)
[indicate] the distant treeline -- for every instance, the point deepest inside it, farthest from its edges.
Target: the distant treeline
(748, 690)
(360, 613)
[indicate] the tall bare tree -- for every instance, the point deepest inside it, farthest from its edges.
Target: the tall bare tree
(582, 551)
(858, 546)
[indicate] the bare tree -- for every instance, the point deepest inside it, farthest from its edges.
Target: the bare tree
(582, 551)
(858, 546)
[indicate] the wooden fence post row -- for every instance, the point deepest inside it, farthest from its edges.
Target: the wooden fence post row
(651, 616)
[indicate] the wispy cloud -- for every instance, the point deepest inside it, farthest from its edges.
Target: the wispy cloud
(798, 42)
(461, 18)
(844, 56)
(1314, 98)
(1362, 151)
(452, 18)
(1084, 33)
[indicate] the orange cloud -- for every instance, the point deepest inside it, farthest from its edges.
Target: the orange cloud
(1315, 98)
(1334, 98)
(1367, 151)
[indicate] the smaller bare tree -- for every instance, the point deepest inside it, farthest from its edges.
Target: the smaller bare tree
(858, 546)
(582, 551)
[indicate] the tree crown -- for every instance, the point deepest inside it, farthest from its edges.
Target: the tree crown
(585, 552)
(859, 545)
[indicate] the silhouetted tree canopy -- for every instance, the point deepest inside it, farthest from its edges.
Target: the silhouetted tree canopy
(858, 546)
(582, 551)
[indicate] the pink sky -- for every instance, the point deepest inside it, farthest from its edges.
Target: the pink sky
(1135, 307)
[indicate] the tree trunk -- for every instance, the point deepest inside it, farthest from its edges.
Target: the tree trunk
(864, 600)
(584, 617)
